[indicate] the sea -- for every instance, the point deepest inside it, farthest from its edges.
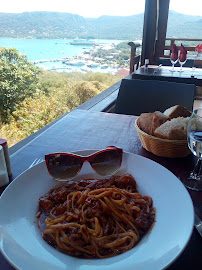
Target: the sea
(48, 49)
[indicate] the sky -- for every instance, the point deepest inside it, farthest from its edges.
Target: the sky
(95, 8)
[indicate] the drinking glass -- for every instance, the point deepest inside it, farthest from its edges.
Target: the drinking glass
(173, 62)
(182, 63)
(193, 71)
(193, 180)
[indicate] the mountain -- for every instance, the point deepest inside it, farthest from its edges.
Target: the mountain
(43, 24)
(184, 26)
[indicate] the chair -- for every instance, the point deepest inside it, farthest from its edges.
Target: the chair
(134, 59)
(139, 96)
(166, 62)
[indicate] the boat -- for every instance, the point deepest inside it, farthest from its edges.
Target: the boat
(104, 66)
(85, 69)
(75, 63)
(92, 65)
(83, 42)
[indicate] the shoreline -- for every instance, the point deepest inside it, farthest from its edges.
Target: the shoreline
(83, 62)
(54, 54)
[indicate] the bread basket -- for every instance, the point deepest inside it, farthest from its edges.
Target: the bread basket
(163, 147)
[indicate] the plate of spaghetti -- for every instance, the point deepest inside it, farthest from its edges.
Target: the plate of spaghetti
(96, 222)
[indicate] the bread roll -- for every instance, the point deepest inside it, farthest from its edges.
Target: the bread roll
(144, 122)
(177, 111)
(175, 129)
(157, 120)
(148, 122)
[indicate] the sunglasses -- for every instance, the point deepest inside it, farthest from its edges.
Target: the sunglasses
(65, 166)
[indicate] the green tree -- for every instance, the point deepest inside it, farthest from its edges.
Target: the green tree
(18, 79)
(85, 91)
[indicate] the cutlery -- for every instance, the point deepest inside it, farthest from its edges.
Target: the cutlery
(35, 162)
(198, 224)
(158, 68)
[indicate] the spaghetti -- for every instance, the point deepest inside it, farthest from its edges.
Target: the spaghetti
(95, 218)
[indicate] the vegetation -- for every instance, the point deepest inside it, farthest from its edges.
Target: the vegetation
(55, 95)
(42, 24)
(119, 55)
(66, 25)
(18, 79)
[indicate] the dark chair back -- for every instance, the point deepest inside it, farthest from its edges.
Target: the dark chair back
(134, 59)
(166, 62)
(139, 96)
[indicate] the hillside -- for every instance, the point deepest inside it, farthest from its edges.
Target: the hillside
(66, 25)
(181, 25)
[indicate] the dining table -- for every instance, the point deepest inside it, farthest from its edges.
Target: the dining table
(84, 129)
(165, 73)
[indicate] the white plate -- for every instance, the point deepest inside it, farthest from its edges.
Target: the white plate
(23, 246)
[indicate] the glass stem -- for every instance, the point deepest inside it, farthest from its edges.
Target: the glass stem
(195, 174)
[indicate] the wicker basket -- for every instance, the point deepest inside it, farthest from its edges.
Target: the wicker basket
(163, 147)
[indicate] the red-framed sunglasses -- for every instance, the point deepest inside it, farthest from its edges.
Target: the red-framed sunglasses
(65, 166)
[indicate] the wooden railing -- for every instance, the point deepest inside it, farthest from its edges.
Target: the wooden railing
(135, 58)
(178, 40)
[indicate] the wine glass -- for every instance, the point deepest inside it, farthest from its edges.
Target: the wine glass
(173, 62)
(174, 56)
(182, 62)
(193, 180)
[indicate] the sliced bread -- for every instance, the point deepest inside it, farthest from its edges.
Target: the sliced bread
(148, 122)
(174, 129)
(158, 119)
(177, 111)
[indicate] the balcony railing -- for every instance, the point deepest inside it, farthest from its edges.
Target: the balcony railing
(179, 40)
(135, 58)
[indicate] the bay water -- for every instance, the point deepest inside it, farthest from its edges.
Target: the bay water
(40, 49)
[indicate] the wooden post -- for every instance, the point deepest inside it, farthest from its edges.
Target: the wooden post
(132, 56)
(161, 28)
(149, 31)
(154, 30)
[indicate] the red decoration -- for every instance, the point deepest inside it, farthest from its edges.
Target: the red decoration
(183, 54)
(199, 48)
(174, 55)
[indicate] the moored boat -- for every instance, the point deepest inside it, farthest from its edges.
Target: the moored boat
(104, 66)
(75, 63)
(83, 42)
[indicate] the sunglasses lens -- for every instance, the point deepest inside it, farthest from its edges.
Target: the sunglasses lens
(63, 166)
(107, 162)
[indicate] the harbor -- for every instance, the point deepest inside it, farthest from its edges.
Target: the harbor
(69, 55)
(77, 63)
(84, 62)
